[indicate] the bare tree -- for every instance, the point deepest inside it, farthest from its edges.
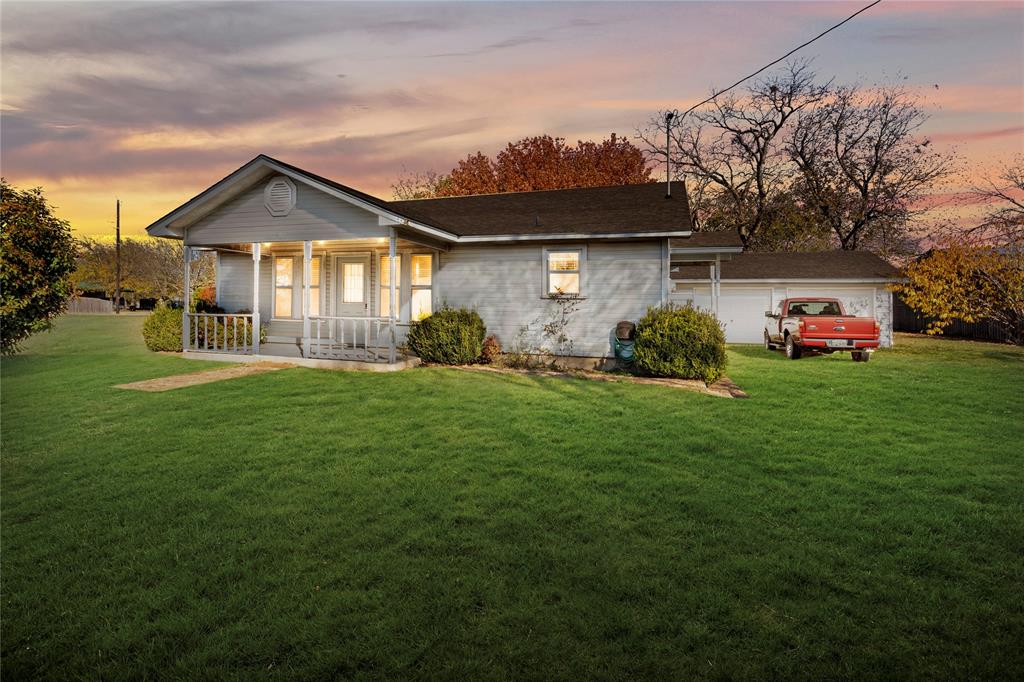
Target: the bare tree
(737, 146)
(862, 165)
(423, 185)
(1003, 225)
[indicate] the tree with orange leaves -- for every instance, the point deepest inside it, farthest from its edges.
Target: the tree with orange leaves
(535, 163)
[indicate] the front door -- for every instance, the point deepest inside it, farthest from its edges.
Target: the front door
(351, 299)
(352, 286)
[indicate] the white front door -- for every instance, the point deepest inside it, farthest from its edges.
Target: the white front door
(352, 286)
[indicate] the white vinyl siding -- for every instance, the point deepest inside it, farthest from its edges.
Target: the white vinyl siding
(506, 286)
(316, 215)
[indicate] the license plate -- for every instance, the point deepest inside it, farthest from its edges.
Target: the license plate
(838, 343)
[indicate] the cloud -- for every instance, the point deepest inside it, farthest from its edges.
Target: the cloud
(508, 43)
(974, 135)
(188, 29)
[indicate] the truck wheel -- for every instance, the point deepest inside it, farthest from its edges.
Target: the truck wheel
(793, 351)
(768, 345)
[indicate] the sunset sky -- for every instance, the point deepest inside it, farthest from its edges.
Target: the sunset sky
(152, 102)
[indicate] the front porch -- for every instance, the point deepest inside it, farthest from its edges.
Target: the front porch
(321, 302)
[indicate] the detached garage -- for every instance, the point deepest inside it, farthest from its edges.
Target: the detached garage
(741, 289)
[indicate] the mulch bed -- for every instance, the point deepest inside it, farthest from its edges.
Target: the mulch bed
(723, 388)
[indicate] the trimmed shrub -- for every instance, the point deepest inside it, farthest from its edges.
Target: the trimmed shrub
(490, 350)
(449, 337)
(680, 342)
(162, 329)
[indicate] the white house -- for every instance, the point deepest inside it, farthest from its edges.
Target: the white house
(334, 273)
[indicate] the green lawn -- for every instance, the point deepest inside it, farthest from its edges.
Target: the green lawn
(849, 520)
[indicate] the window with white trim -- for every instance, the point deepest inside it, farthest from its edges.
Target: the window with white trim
(288, 286)
(385, 283)
(563, 272)
(314, 285)
(284, 286)
(421, 280)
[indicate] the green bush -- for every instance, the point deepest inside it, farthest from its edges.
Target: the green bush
(162, 329)
(448, 337)
(680, 342)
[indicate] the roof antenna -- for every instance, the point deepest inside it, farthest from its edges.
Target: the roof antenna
(669, 115)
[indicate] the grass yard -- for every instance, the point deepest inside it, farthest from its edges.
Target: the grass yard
(848, 521)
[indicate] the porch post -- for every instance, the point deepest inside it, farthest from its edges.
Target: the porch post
(256, 298)
(186, 297)
(718, 280)
(666, 269)
(307, 258)
(392, 297)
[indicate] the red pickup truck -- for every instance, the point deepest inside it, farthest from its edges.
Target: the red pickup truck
(820, 325)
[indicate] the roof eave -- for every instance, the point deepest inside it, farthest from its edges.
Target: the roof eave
(549, 236)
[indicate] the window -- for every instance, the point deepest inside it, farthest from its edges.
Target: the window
(314, 285)
(563, 273)
(352, 282)
(813, 308)
(385, 283)
(288, 286)
(284, 286)
(422, 279)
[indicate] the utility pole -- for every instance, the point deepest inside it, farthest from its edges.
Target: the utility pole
(117, 270)
(668, 153)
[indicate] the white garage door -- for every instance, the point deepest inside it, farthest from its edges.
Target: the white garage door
(741, 310)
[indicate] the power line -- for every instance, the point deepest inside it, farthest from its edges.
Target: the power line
(768, 66)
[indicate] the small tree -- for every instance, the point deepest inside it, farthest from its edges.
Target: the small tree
(37, 257)
(967, 283)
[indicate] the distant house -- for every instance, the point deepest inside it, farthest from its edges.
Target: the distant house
(335, 273)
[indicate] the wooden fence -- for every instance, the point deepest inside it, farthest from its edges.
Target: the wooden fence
(78, 304)
(905, 319)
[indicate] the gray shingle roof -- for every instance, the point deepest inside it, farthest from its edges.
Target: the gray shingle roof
(807, 265)
(595, 210)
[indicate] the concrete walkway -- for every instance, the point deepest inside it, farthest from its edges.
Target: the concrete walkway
(207, 377)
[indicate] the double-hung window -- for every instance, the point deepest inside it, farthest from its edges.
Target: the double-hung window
(563, 270)
(288, 286)
(385, 284)
(422, 280)
(314, 285)
(284, 286)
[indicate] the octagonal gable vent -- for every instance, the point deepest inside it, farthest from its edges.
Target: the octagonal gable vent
(279, 196)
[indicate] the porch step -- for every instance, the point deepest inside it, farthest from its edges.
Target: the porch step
(288, 349)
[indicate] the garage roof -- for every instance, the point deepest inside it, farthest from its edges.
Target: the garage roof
(822, 265)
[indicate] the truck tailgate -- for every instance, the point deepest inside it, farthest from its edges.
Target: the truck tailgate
(828, 327)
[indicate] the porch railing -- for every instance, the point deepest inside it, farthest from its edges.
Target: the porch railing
(367, 339)
(220, 332)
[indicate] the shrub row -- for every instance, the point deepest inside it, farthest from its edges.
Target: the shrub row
(670, 341)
